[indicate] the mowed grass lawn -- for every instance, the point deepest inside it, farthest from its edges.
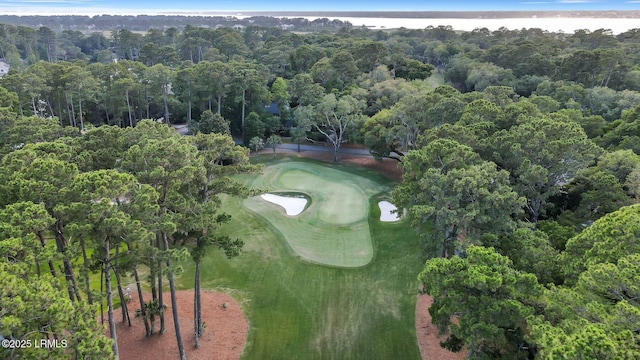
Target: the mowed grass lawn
(334, 228)
(303, 310)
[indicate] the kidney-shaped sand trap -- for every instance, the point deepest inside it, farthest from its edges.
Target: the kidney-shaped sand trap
(388, 212)
(292, 205)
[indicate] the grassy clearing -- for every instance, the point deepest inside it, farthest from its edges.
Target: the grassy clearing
(334, 229)
(300, 310)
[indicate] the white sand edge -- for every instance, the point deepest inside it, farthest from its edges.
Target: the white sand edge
(292, 206)
(387, 213)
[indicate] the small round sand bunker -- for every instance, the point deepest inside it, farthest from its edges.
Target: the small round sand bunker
(292, 205)
(388, 212)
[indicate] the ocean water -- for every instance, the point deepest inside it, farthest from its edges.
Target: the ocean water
(557, 24)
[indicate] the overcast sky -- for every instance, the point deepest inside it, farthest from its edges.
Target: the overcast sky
(50, 7)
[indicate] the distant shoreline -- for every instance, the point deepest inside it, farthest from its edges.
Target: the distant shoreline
(566, 22)
(629, 14)
(497, 14)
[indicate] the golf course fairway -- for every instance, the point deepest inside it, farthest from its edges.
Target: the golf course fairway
(334, 229)
(298, 309)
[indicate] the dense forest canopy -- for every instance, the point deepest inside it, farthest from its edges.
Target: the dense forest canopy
(107, 22)
(520, 151)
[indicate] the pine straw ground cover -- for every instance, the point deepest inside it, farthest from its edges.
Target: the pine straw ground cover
(224, 336)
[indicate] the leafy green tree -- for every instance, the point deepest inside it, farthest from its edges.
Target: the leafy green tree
(369, 54)
(541, 154)
(591, 67)
(192, 48)
(128, 86)
(273, 141)
(79, 85)
(610, 238)
(595, 318)
(411, 69)
(482, 75)
(100, 148)
(632, 183)
(37, 309)
(160, 78)
(381, 90)
(256, 143)
(420, 112)
(8, 100)
(623, 133)
(570, 95)
(254, 127)
(344, 67)
(41, 175)
(213, 82)
(303, 57)
(250, 83)
(323, 72)
(299, 134)
(593, 125)
(98, 215)
(127, 43)
(184, 86)
(168, 165)
(33, 88)
(379, 137)
(26, 222)
(32, 129)
(590, 341)
(446, 185)
(619, 163)
(334, 118)
(48, 44)
(222, 159)
(481, 303)
(558, 234)
(304, 91)
(210, 123)
(230, 44)
(531, 252)
(280, 95)
(590, 195)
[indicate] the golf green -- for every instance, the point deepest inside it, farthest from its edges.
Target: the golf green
(334, 229)
(303, 310)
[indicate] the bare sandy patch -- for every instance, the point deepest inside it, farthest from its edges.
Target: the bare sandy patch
(292, 205)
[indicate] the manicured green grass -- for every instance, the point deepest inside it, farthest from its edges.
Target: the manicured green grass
(334, 229)
(301, 310)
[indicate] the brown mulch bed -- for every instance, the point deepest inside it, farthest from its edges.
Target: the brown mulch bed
(223, 338)
(428, 339)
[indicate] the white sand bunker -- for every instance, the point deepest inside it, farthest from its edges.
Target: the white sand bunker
(387, 213)
(292, 205)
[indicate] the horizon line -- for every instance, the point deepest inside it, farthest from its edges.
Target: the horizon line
(273, 13)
